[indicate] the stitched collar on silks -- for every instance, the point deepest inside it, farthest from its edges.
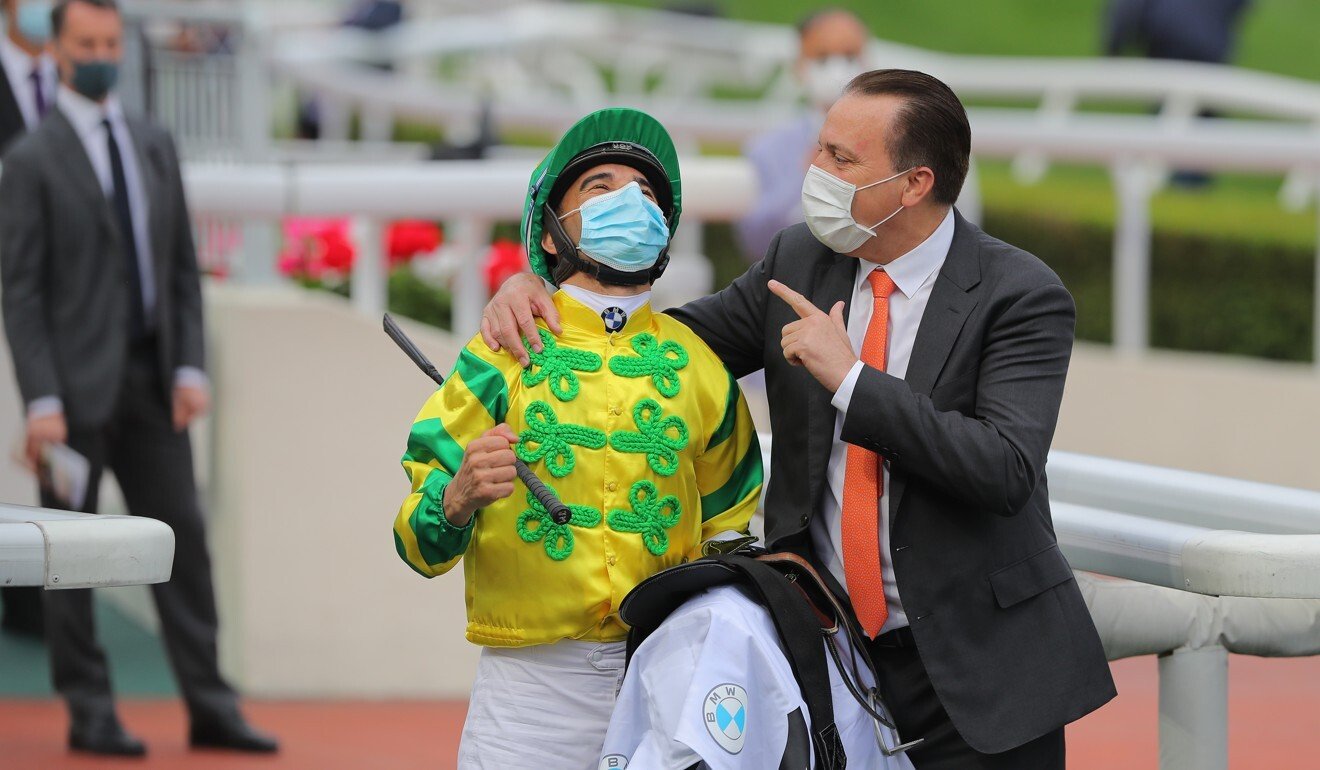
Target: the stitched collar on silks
(577, 316)
(597, 130)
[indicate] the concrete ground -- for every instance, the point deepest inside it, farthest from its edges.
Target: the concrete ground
(1272, 708)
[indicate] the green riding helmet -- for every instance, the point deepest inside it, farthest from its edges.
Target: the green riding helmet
(615, 135)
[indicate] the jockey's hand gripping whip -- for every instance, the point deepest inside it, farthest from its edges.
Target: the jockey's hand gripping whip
(559, 512)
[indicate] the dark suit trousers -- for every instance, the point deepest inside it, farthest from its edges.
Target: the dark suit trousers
(153, 465)
(917, 713)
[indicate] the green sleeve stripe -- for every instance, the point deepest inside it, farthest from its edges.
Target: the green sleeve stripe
(730, 421)
(745, 480)
(403, 554)
(486, 383)
(430, 441)
(438, 541)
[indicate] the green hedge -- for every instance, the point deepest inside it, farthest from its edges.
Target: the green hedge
(1217, 295)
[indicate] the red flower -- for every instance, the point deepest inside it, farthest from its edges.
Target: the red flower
(504, 259)
(408, 238)
(313, 247)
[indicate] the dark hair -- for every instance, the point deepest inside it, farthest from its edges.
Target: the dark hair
(930, 129)
(62, 7)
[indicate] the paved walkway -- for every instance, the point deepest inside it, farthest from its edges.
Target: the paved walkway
(1273, 716)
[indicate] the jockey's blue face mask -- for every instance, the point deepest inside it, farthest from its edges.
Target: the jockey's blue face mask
(622, 229)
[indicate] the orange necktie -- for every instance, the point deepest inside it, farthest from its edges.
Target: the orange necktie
(863, 482)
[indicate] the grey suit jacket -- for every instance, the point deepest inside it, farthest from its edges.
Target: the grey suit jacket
(12, 124)
(66, 284)
(998, 619)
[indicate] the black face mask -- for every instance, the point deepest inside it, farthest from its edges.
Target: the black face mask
(95, 79)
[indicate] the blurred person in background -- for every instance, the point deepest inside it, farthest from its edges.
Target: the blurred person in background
(1185, 30)
(1181, 30)
(368, 16)
(831, 51)
(103, 311)
(27, 91)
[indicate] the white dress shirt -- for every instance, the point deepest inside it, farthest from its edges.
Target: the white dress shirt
(914, 275)
(18, 68)
(87, 118)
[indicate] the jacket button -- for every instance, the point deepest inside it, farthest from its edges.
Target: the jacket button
(616, 411)
(611, 486)
(805, 519)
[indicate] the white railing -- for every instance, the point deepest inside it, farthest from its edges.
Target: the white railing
(1198, 593)
(514, 60)
(722, 189)
(61, 550)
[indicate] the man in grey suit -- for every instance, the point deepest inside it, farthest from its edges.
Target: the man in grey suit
(103, 311)
(915, 367)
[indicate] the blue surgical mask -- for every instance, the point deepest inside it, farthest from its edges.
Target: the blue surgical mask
(95, 79)
(34, 21)
(622, 229)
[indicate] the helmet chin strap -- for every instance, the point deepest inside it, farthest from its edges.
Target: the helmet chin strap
(569, 253)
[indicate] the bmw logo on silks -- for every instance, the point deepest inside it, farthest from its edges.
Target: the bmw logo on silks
(725, 711)
(615, 318)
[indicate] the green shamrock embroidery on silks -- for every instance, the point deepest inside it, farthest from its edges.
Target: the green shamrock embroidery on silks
(550, 439)
(658, 360)
(650, 517)
(536, 524)
(557, 364)
(660, 439)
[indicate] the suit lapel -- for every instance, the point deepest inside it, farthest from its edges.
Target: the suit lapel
(12, 124)
(835, 285)
(152, 173)
(952, 300)
(69, 147)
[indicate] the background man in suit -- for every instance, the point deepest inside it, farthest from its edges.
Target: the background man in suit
(103, 311)
(917, 364)
(27, 89)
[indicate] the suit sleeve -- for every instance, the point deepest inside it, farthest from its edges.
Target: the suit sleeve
(732, 320)
(995, 457)
(190, 348)
(23, 264)
(729, 472)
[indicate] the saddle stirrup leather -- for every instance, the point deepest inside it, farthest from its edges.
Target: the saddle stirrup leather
(814, 590)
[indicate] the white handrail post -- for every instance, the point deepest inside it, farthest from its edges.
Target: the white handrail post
(261, 244)
(1132, 231)
(254, 83)
(1194, 709)
(370, 292)
(471, 239)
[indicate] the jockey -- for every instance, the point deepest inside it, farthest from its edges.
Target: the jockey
(628, 416)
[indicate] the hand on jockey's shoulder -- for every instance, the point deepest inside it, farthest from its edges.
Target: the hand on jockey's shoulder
(511, 315)
(485, 476)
